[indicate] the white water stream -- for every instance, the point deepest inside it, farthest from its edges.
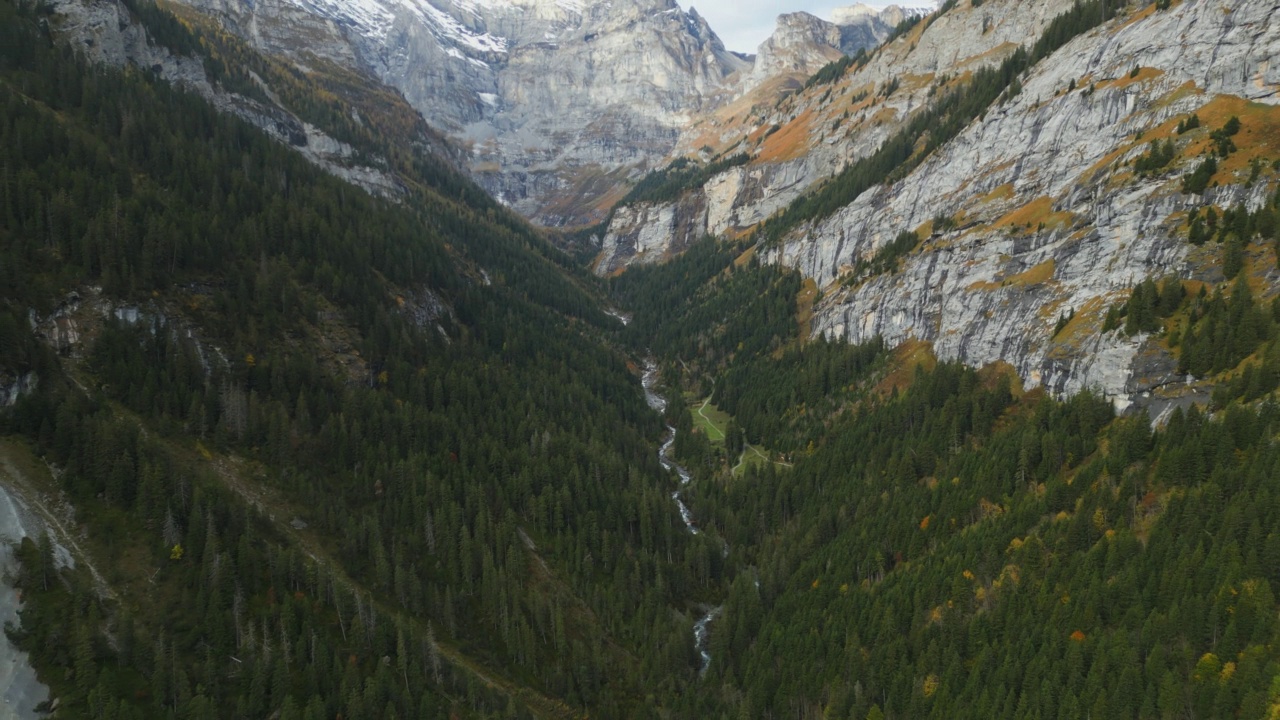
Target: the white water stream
(701, 632)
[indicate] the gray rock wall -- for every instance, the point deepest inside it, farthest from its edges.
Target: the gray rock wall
(962, 40)
(976, 294)
(106, 33)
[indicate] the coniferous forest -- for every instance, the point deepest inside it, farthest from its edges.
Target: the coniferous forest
(338, 455)
(488, 528)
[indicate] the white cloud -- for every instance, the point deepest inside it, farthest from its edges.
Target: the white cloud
(744, 24)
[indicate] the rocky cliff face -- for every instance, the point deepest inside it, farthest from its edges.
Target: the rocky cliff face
(811, 136)
(602, 95)
(1049, 217)
(1053, 220)
(802, 43)
(106, 32)
(13, 386)
(557, 102)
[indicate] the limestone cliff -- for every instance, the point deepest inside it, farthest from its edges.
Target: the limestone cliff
(1044, 213)
(806, 138)
(1052, 218)
(107, 32)
(803, 43)
(556, 102)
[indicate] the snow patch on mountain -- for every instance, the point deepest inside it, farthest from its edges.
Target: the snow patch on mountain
(375, 19)
(856, 13)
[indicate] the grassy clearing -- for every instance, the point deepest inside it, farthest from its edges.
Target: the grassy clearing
(757, 457)
(1036, 211)
(1035, 275)
(1259, 130)
(1086, 323)
(711, 420)
(1002, 192)
(1142, 14)
(994, 56)
(1144, 74)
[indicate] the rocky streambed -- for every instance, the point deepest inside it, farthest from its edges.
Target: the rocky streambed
(701, 629)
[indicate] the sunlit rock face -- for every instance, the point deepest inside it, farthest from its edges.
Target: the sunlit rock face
(831, 129)
(1051, 217)
(802, 43)
(556, 102)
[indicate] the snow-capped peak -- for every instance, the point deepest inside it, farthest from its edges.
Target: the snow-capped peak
(375, 17)
(847, 15)
(856, 13)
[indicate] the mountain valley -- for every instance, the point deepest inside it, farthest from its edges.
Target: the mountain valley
(548, 359)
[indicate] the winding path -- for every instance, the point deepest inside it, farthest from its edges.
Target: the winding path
(710, 423)
(748, 447)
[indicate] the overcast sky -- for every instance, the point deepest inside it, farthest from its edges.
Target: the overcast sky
(744, 24)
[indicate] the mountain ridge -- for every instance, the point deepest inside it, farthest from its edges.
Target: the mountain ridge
(178, 282)
(802, 43)
(1032, 140)
(556, 106)
(971, 393)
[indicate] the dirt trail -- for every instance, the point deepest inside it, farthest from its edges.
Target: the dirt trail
(752, 448)
(710, 423)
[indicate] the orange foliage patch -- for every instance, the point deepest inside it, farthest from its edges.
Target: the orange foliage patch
(1077, 636)
(1033, 212)
(930, 685)
(987, 509)
(1142, 14)
(1003, 192)
(1146, 73)
(905, 358)
(789, 142)
(804, 304)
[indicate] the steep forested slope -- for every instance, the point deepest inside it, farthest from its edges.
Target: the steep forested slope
(339, 455)
(936, 542)
(334, 454)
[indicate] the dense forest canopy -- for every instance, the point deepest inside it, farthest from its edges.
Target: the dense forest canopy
(342, 455)
(944, 544)
(422, 383)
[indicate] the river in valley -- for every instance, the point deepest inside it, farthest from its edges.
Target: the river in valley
(701, 630)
